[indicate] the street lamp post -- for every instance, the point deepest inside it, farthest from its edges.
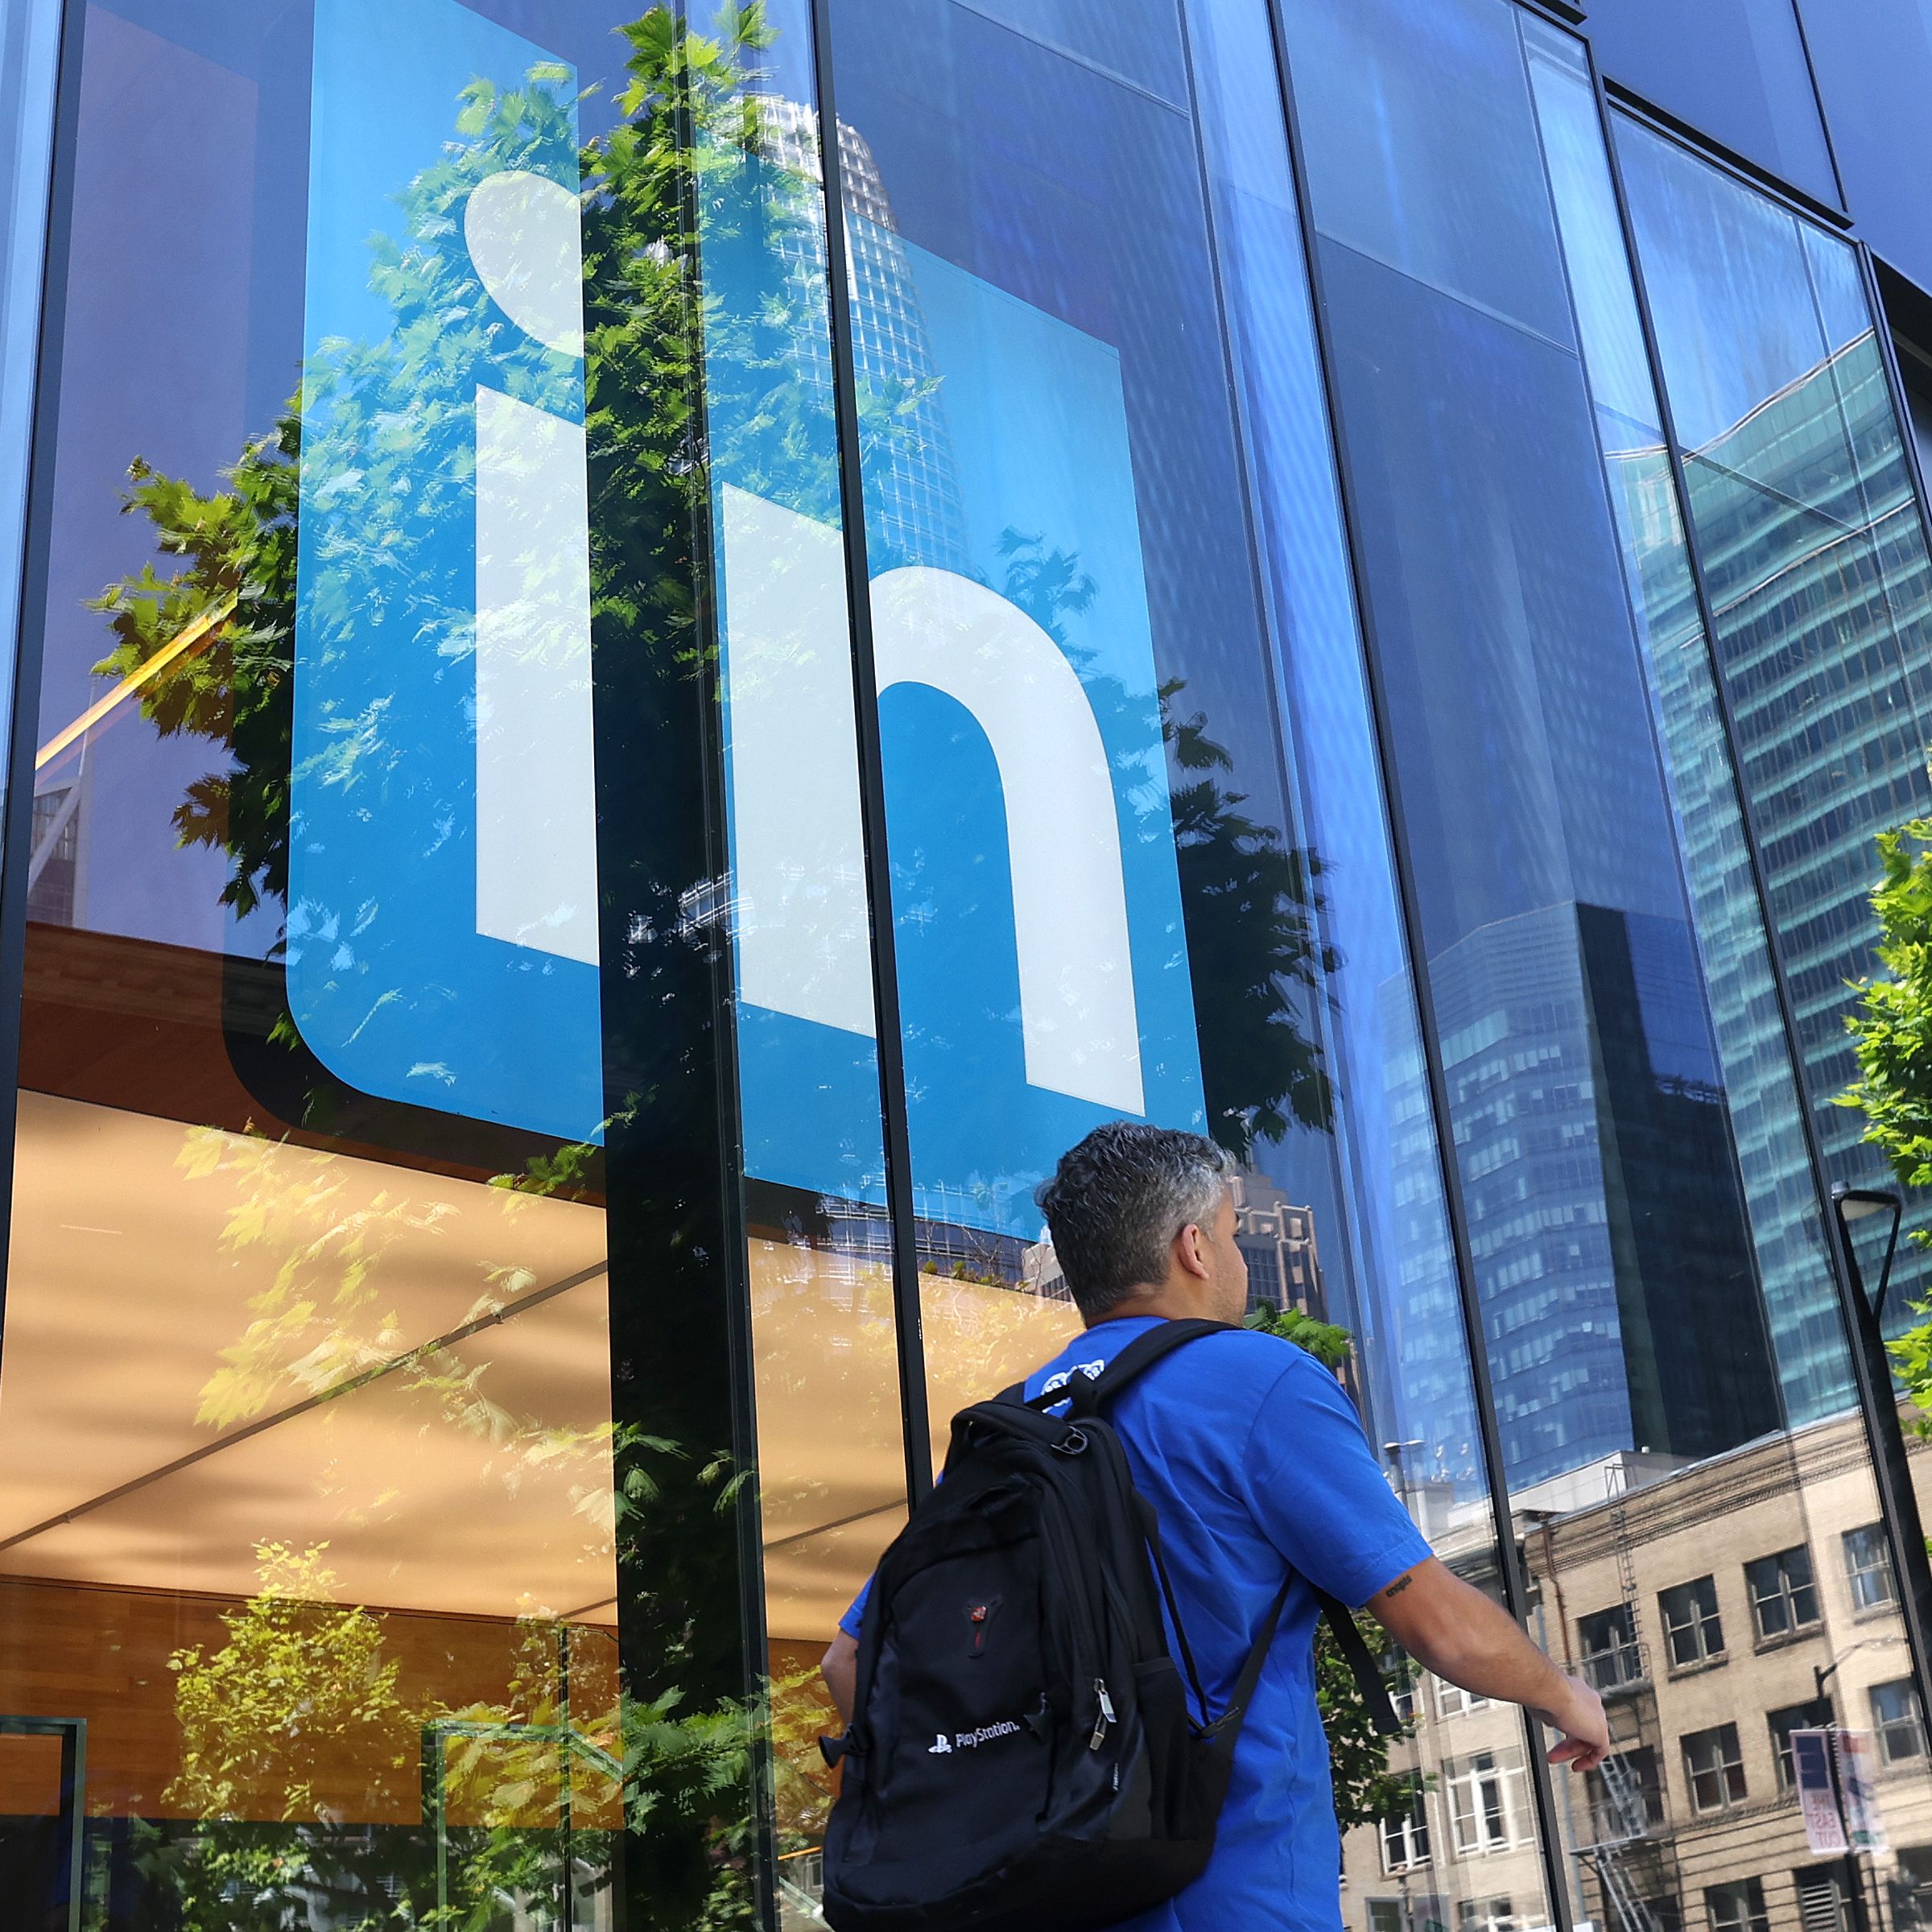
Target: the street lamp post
(1898, 1502)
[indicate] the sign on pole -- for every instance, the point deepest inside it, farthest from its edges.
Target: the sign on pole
(1812, 1770)
(1858, 1797)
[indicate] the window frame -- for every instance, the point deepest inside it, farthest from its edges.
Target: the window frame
(1789, 1589)
(1502, 1823)
(1811, 1713)
(1750, 1893)
(1728, 1767)
(1859, 1575)
(1911, 1721)
(1704, 1618)
(1411, 1832)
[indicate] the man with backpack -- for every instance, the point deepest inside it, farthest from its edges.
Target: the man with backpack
(1050, 1749)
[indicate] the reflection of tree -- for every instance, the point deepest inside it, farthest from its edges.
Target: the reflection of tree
(1248, 900)
(299, 1699)
(240, 547)
(1251, 905)
(302, 1709)
(384, 428)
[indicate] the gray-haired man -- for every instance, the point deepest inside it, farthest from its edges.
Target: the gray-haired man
(1255, 1462)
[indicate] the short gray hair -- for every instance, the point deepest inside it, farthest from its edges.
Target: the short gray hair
(1116, 1201)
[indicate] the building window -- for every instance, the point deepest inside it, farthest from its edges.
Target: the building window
(1692, 1627)
(1868, 1568)
(1816, 1715)
(1912, 1889)
(1737, 1907)
(1452, 1700)
(1715, 1767)
(1488, 1804)
(1664, 1914)
(1385, 1915)
(1626, 1797)
(1406, 1839)
(1898, 1720)
(1784, 1597)
(1611, 1656)
(1485, 1915)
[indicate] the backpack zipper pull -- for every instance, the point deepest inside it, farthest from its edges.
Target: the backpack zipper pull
(1105, 1717)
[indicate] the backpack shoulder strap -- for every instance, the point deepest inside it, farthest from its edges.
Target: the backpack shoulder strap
(1139, 1355)
(1360, 1660)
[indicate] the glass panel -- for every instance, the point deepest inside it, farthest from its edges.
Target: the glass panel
(1066, 469)
(1873, 62)
(1540, 639)
(1773, 1156)
(1749, 1623)
(1573, 1022)
(1735, 69)
(1816, 566)
(825, 1337)
(375, 1405)
(29, 36)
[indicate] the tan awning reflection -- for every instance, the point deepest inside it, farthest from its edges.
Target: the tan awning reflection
(214, 1341)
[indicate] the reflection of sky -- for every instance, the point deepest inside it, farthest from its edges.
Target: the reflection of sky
(1440, 180)
(1608, 328)
(1737, 314)
(155, 364)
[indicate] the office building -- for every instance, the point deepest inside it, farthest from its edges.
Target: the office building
(1351, 575)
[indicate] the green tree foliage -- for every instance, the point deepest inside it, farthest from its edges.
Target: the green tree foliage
(1892, 1029)
(1892, 1035)
(1366, 1790)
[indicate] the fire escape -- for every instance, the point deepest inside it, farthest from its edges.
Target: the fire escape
(1630, 1853)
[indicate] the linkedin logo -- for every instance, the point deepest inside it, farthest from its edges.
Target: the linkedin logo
(442, 892)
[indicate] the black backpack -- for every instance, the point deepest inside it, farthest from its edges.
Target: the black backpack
(1024, 1755)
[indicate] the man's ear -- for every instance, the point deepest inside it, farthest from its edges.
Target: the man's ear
(1191, 1253)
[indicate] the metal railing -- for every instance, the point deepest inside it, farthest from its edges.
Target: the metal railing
(1622, 1667)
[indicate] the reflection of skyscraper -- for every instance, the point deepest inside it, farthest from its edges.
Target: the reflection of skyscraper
(1605, 1228)
(54, 872)
(913, 513)
(1760, 1081)
(1277, 1239)
(1821, 590)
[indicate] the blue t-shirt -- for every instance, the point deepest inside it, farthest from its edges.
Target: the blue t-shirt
(1254, 1458)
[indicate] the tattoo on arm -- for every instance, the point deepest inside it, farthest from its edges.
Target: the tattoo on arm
(1400, 1584)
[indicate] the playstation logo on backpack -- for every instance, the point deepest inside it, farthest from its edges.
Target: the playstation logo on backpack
(943, 1746)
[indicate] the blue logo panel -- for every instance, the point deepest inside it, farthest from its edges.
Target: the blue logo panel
(1043, 971)
(442, 892)
(442, 924)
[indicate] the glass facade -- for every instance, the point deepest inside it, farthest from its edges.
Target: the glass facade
(663, 648)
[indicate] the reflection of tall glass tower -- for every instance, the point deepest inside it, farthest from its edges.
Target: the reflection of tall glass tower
(1813, 549)
(1610, 1253)
(913, 513)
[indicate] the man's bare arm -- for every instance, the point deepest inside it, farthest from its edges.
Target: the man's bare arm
(1450, 1627)
(840, 1668)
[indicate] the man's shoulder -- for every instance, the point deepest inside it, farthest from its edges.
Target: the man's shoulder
(1236, 1367)
(1246, 1363)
